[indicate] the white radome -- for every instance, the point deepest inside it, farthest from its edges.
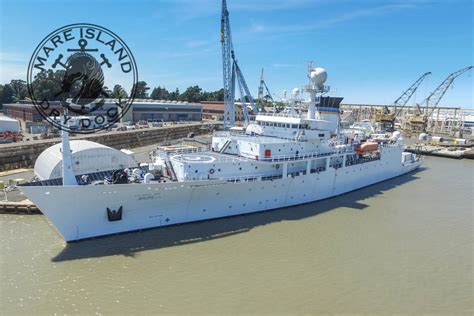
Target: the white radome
(295, 92)
(318, 76)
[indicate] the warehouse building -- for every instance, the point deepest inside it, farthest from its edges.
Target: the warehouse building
(214, 110)
(141, 110)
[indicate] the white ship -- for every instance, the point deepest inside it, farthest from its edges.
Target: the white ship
(279, 160)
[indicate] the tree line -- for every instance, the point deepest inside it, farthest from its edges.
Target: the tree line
(47, 84)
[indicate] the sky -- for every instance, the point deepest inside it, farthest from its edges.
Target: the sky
(372, 50)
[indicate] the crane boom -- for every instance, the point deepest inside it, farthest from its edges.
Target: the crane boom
(435, 97)
(260, 87)
(407, 94)
(227, 52)
(232, 74)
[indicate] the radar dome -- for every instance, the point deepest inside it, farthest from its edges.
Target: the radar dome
(295, 92)
(318, 76)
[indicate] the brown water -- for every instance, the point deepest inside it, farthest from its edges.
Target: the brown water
(403, 246)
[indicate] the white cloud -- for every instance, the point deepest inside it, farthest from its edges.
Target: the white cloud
(286, 66)
(261, 27)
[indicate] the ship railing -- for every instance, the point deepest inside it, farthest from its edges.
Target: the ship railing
(281, 114)
(236, 158)
(228, 133)
(163, 153)
(293, 157)
(361, 160)
(250, 178)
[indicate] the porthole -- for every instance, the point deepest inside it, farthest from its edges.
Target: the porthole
(230, 206)
(219, 169)
(195, 171)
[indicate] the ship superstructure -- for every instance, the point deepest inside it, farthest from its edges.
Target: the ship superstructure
(278, 160)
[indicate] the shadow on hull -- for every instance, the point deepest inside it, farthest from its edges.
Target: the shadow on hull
(131, 243)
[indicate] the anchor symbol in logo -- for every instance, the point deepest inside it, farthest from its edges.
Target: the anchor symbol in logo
(83, 81)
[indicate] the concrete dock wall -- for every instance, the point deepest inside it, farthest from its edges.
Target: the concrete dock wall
(21, 155)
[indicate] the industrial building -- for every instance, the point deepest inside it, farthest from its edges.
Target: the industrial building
(141, 110)
(214, 110)
(160, 110)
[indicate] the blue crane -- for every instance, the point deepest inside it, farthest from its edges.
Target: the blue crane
(231, 74)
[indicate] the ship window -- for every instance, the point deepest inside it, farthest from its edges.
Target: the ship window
(321, 135)
(294, 126)
(195, 171)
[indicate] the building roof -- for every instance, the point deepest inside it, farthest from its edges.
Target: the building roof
(108, 102)
(212, 106)
(7, 119)
(217, 105)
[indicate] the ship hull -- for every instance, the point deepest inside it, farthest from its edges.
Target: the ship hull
(81, 212)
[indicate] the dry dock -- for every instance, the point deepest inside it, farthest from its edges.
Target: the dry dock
(454, 152)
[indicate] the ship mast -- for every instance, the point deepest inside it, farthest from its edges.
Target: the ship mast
(68, 174)
(316, 79)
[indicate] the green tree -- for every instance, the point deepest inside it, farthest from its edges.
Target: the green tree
(119, 92)
(20, 88)
(6, 94)
(219, 95)
(192, 94)
(140, 90)
(47, 85)
(174, 95)
(213, 96)
(160, 93)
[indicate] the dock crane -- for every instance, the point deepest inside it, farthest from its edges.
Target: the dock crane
(387, 118)
(232, 73)
(418, 122)
(261, 97)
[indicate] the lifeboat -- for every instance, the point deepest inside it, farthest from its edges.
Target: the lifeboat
(367, 147)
